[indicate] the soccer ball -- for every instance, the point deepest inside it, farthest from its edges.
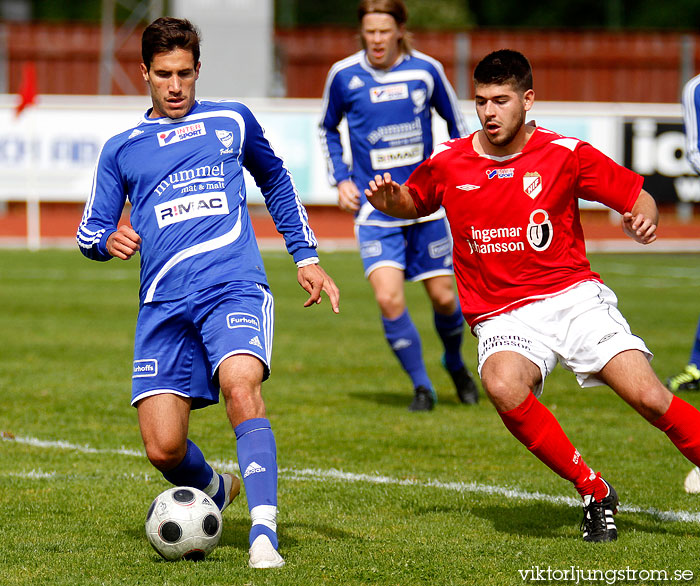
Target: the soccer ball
(183, 523)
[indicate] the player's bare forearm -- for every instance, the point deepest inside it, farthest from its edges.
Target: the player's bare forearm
(389, 197)
(640, 224)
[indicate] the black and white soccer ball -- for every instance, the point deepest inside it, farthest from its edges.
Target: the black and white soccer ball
(183, 523)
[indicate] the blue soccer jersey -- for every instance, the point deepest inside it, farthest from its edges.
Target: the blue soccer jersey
(389, 121)
(690, 102)
(184, 180)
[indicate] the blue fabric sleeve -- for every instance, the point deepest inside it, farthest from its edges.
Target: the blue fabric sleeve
(330, 136)
(445, 102)
(104, 206)
(690, 102)
(278, 190)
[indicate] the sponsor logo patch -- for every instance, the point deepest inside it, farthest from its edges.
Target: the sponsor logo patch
(253, 468)
(146, 367)
(439, 248)
(539, 231)
(401, 343)
(388, 93)
(355, 83)
(500, 173)
(191, 206)
(370, 249)
(396, 156)
(168, 137)
(242, 320)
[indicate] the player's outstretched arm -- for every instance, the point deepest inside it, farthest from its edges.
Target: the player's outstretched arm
(391, 198)
(640, 224)
(313, 280)
(123, 243)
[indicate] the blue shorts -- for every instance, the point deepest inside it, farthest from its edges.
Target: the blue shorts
(421, 250)
(180, 344)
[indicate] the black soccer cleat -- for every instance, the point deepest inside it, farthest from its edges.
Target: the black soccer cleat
(467, 391)
(598, 524)
(424, 399)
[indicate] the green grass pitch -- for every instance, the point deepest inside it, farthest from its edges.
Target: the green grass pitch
(369, 493)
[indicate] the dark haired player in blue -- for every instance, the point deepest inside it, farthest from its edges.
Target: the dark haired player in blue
(206, 314)
(386, 93)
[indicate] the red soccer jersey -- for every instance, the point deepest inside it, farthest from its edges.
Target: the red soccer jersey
(515, 220)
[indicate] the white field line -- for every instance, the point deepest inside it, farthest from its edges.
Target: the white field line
(349, 477)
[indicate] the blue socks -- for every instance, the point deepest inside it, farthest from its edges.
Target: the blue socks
(450, 329)
(194, 471)
(257, 460)
(695, 352)
(404, 340)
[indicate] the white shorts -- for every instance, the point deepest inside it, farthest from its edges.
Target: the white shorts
(581, 328)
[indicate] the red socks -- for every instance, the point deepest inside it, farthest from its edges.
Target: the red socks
(681, 423)
(539, 431)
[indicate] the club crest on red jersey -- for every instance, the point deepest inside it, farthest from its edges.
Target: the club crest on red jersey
(532, 184)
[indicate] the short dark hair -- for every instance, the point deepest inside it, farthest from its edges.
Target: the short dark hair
(504, 67)
(395, 8)
(166, 34)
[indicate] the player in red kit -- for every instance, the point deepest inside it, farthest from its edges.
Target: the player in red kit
(526, 288)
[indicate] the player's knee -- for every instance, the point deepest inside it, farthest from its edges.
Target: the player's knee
(653, 402)
(165, 455)
(446, 304)
(499, 390)
(390, 304)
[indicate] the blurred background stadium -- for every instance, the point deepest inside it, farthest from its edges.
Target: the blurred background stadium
(607, 72)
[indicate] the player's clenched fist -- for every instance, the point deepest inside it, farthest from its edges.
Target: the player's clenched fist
(124, 242)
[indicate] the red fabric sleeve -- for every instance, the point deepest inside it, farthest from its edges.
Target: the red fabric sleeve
(421, 186)
(601, 179)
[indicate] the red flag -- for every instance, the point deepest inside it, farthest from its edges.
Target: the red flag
(27, 88)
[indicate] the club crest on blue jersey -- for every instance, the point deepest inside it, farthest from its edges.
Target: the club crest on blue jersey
(242, 320)
(419, 98)
(225, 137)
(147, 367)
(169, 137)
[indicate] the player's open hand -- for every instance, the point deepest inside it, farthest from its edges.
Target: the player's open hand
(639, 227)
(124, 242)
(313, 280)
(383, 192)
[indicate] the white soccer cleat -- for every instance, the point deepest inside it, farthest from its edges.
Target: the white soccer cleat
(692, 481)
(263, 555)
(232, 486)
